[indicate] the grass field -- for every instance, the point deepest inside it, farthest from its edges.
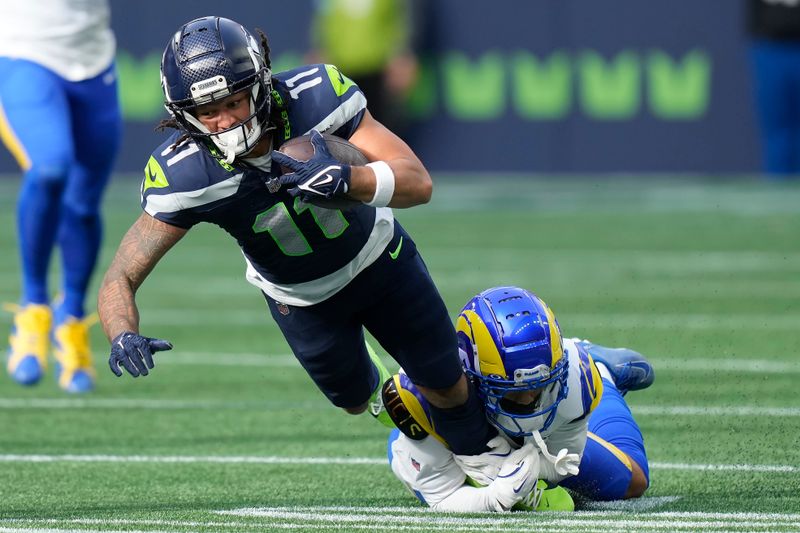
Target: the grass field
(229, 434)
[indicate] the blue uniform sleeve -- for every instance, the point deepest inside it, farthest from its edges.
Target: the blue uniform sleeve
(181, 182)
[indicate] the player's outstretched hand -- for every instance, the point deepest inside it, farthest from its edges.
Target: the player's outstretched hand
(516, 478)
(483, 468)
(135, 353)
(321, 176)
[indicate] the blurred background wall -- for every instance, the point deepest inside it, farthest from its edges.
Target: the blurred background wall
(515, 85)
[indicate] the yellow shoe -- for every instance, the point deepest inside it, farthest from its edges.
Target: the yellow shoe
(29, 342)
(74, 369)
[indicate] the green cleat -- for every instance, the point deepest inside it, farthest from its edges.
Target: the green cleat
(546, 497)
(376, 407)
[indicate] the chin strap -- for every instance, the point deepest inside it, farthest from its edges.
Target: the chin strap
(560, 465)
(230, 155)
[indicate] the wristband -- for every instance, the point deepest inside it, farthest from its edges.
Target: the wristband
(384, 184)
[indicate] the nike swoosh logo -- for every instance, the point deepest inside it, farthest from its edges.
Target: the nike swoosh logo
(522, 484)
(328, 179)
(396, 252)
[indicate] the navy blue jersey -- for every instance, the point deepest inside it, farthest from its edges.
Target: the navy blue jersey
(286, 242)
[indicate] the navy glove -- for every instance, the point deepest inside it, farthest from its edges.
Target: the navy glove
(135, 353)
(321, 176)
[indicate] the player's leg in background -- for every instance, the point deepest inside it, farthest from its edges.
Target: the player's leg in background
(36, 128)
(771, 62)
(412, 324)
(614, 464)
(97, 128)
(793, 67)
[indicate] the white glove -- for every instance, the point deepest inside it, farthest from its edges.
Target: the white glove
(516, 478)
(483, 468)
(554, 468)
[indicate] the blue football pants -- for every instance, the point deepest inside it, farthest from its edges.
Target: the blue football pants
(65, 136)
(395, 300)
(614, 439)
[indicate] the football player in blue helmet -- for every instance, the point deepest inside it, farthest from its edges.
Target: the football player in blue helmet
(560, 397)
(512, 348)
(332, 271)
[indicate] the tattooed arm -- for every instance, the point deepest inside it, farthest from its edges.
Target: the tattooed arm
(141, 248)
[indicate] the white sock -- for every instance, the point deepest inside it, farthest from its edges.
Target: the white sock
(604, 372)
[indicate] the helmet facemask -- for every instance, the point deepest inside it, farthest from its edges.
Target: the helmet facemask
(522, 420)
(239, 139)
(207, 61)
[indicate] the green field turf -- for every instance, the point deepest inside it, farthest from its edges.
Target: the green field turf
(229, 434)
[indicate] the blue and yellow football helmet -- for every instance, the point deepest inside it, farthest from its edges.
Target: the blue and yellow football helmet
(511, 342)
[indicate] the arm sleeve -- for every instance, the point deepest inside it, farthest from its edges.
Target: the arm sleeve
(426, 468)
(468, 499)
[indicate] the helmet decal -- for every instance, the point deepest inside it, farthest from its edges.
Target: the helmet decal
(485, 353)
(555, 333)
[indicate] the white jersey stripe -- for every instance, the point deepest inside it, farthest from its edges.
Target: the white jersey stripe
(343, 113)
(177, 201)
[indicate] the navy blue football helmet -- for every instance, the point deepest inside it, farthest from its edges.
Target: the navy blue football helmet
(209, 59)
(511, 343)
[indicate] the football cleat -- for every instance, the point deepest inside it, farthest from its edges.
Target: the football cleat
(74, 369)
(29, 342)
(630, 370)
(376, 407)
(546, 497)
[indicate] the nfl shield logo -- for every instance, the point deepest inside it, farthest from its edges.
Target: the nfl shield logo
(274, 185)
(283, 308)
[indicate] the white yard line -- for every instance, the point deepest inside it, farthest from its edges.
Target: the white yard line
(206, 404)
(151, 404)
(280, 460)
(661, 362)
(660, 321)
(422, 519)
(693, 410)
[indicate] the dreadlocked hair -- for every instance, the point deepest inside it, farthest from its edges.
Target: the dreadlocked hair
(171, 123)
(264, 47)
(278, 106)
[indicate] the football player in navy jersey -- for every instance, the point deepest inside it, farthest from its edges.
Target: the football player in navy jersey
(560, 398)
(327, 274)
